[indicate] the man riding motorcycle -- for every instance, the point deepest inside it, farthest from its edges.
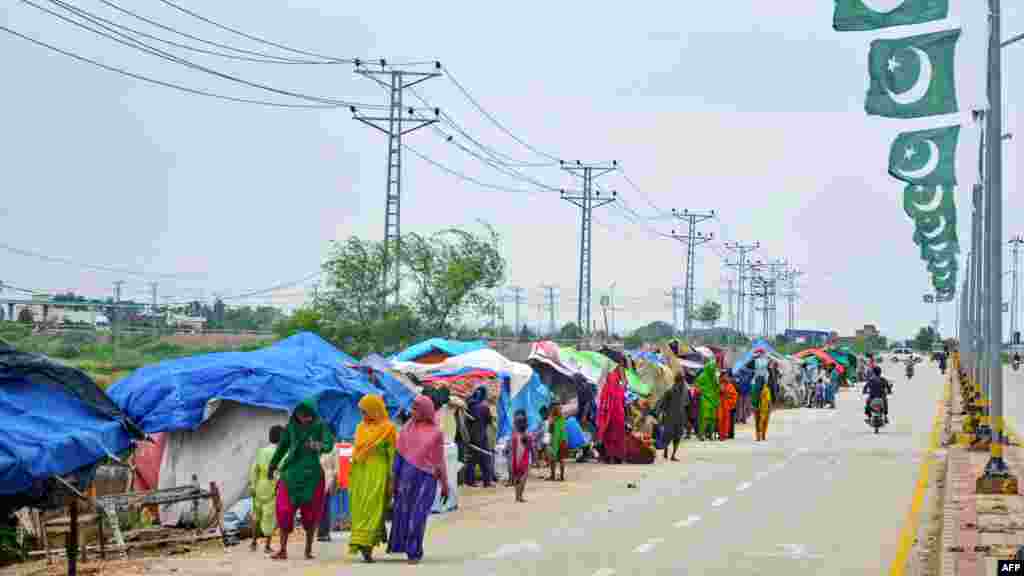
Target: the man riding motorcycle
(877, 387)
(909, 365)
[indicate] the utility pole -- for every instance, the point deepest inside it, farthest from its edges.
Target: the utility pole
(692, 239)
(115, 333)
(156, 326)
(776, 270)
(516, 295)
(996, 468)
(741, 265)
(677, 298)
(729, 293)
(1015, 244)
(791, 275)
(586, 200)
(550, 302)
(398, 122)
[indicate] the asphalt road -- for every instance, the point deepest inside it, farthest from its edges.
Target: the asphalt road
(823, 495)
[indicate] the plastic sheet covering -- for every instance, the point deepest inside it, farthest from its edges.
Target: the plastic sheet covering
(221, 450)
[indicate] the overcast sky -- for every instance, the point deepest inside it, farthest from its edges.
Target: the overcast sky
(751, 108)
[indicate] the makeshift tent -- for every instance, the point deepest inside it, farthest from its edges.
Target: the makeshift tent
(438, 350)
(745, 359)
(217, 408)
(827, 359)
(56, 421)
(528, 399)
(486, 359)
(146, 462)
(464, 381)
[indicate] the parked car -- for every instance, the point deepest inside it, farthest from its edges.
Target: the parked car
(902, 355)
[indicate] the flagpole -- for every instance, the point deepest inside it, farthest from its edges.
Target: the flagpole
(997, 475)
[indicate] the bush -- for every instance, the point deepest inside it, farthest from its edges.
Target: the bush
(67, 350)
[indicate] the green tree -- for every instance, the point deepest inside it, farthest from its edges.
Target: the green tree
(357, 286)
(570, 331)
(654, 332)
(26, 316)
(925, 339)
(709, 313)
(454, 272)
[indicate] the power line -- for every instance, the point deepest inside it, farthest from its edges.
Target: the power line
(499, 125)
(54, 259)
(148, 49)
(467, 178)
(250, 36)
(194, 91)
(258, 57)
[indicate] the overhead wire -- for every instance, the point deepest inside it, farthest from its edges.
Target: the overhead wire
(146, 48)
(466, 177)
(489, 116)
(165, 84)
(258, 57)
(54, 259)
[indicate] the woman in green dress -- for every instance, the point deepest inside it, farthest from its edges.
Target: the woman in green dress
(369, 481)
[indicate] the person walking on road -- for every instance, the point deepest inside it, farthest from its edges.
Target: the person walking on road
(329, 463)
(263, 488)
(726, 407)
(481, 452)
(369, 478)
(419, 468)
(611, 415)
(761, 396)
(672, 407)
(558, 448)
(301, 488)
(520, 451)
(709, 399)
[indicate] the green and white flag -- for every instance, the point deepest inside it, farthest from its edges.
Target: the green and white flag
(947, 282)
(925, 156)
(920, 200)
(936, 228)
(857, 15)
(939, 251)
(944, 265)
(913, 77)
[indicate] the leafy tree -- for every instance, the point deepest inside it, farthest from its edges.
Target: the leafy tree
(708, 313)
(357, 286)
(26, 316)
(654, 332)
(302, 320)
(570, 331)
(925, 339)
(454, 272)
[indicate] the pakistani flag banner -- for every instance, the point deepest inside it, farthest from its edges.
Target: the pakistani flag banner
(925, 156)
(944, 265)
(940, 251)
(935, 228)
(920, 200)
(946, 296)
(857, 15)
(913, 77)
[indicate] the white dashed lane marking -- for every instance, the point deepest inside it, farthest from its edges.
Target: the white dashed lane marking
(689, 521)
(648, 546)
(743, 486)
(604, 572)
(719, 501)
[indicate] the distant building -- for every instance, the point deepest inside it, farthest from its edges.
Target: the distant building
(869, 331)
(817, 337)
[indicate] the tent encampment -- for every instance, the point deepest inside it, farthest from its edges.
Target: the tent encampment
(56, 421)
(217, 408)
(436, 350)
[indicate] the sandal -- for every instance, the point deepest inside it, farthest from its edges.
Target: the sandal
(281, 555)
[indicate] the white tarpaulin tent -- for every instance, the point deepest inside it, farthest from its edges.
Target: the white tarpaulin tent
(221, 450)
(486, 359)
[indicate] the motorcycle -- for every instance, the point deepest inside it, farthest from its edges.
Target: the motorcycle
(910, 371)
(877, 418)
(1016, 364)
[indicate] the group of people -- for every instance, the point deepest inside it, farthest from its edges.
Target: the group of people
(820, 384)
(393, 480)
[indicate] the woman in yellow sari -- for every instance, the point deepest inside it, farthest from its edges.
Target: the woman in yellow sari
(369, 478)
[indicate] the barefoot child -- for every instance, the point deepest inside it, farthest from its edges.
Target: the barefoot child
(521, 449)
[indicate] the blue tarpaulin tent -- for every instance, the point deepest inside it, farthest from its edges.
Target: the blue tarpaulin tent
(529, 399)
(449, 347)
(173, 395)
(745, 359)
(54, 420)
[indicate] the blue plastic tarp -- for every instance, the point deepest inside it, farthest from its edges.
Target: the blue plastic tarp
(529, 399)
(46, 431)
(746, 358)
(173, 395)
(449, 347)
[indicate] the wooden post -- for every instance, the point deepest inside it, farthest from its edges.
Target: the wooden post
(72, 543)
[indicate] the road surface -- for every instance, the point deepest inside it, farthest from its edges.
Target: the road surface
(823, 495)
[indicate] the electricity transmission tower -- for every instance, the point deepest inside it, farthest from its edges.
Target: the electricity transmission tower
(776, 270)
(398, 122)
(586, 200)
(729, 293)
(1015, 244)
(692, 240)
(742, 266)
(550, 303)
(792, 295)
(516, 297)
(677, 299)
